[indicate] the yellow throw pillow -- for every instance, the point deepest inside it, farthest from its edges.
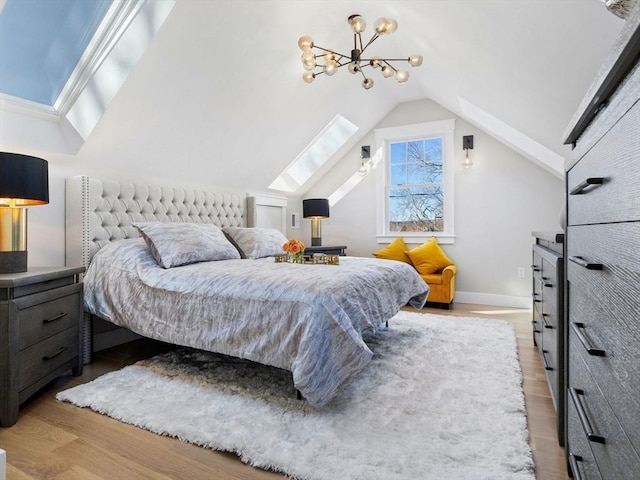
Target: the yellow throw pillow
(396, 250)
(429, 258)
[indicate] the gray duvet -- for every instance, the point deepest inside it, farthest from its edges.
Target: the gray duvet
(308, 319)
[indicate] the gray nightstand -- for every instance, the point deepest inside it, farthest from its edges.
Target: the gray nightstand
(40, 332)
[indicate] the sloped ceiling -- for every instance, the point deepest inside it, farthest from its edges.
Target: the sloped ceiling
(218, 93)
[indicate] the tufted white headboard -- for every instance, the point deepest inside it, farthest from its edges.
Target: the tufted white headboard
(101, 211)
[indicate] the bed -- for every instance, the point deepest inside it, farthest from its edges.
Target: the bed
(307, 319)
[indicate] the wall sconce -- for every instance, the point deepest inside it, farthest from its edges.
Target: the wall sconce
(316, 209)
(24, 182)
(365, 155)
(467, 144)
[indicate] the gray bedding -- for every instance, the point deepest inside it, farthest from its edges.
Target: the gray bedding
(308, 319)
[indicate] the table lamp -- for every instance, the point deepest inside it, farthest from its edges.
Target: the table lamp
(316, 209)
(24, 181)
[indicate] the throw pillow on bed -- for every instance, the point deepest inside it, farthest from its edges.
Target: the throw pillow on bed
(429, 258)
(175, 244)
(396, 250)
(257, 242)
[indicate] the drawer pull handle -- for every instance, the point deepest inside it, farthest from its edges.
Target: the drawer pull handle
(534, 325)
(535, 268)
(544, 283)
(573, 461)
(583, 263)
(53, 319)
(586, 343)
(544, 360)
(584, 420)
(544, 321)
(580, 189)
(54, 355)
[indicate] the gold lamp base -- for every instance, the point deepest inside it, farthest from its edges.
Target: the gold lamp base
(13, 240)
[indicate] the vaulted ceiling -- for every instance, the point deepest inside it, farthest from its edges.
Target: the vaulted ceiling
(219, 87)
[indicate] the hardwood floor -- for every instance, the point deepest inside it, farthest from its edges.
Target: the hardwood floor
(57, 441)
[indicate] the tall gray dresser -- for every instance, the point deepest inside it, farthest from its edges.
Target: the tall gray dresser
(603, 270)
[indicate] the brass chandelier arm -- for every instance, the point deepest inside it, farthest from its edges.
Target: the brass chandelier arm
(373, 39)
(341, 55)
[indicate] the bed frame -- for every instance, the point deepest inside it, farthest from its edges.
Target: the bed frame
(102, 211)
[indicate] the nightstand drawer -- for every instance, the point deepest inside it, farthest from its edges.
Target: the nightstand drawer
(48, 318)
(44, 357)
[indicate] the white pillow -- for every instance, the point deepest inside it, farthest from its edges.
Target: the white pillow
(175, 244)
(257, 242)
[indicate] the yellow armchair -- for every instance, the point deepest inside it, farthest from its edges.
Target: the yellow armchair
(442, 286)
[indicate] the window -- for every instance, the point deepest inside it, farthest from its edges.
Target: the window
(415, 182)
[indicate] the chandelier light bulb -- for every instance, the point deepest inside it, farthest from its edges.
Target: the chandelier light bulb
(374, 62)
(305, 42)
(354, 67)
(330, 67)
(328, 57)
(385, 26)
(358, 25)
(387, 71)
(402, 76)
(415, 60)
(308, 77)
(367, 83)
(308, 60)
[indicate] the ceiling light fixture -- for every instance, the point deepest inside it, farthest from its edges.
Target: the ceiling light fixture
(331, 61)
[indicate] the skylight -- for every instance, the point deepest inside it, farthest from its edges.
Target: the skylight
(41, 43)
(315, 155)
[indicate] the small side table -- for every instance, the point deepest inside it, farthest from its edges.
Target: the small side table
(40, 332)
(328, 250)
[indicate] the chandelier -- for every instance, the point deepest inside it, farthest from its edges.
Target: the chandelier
(323, 60)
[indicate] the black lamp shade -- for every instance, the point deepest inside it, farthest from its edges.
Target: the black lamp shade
(315, 208)
(24, 179)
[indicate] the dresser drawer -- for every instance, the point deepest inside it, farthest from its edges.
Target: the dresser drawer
(43, 320)
(616, 458)
(44, 357)
(609, 349)
(604, 258)
(578, 449)
(616, 160)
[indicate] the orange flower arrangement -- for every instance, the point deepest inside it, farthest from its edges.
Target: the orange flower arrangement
(294, 247)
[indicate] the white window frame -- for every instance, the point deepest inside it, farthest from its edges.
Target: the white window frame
(405, 133)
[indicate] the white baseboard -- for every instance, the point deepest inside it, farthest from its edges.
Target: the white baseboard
(493, 299)
(3, 465)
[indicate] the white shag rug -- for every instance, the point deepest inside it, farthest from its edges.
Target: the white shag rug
(442, 399)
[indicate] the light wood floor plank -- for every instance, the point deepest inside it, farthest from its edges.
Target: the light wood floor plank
(57, 441)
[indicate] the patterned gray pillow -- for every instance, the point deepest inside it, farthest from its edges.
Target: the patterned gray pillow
(175, 244)
(257, 242)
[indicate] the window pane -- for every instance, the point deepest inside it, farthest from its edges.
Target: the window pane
(424, 172)
(416, 209)
(398, 153)
(398, 174)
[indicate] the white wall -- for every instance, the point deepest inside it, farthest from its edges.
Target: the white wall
(498, 203)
